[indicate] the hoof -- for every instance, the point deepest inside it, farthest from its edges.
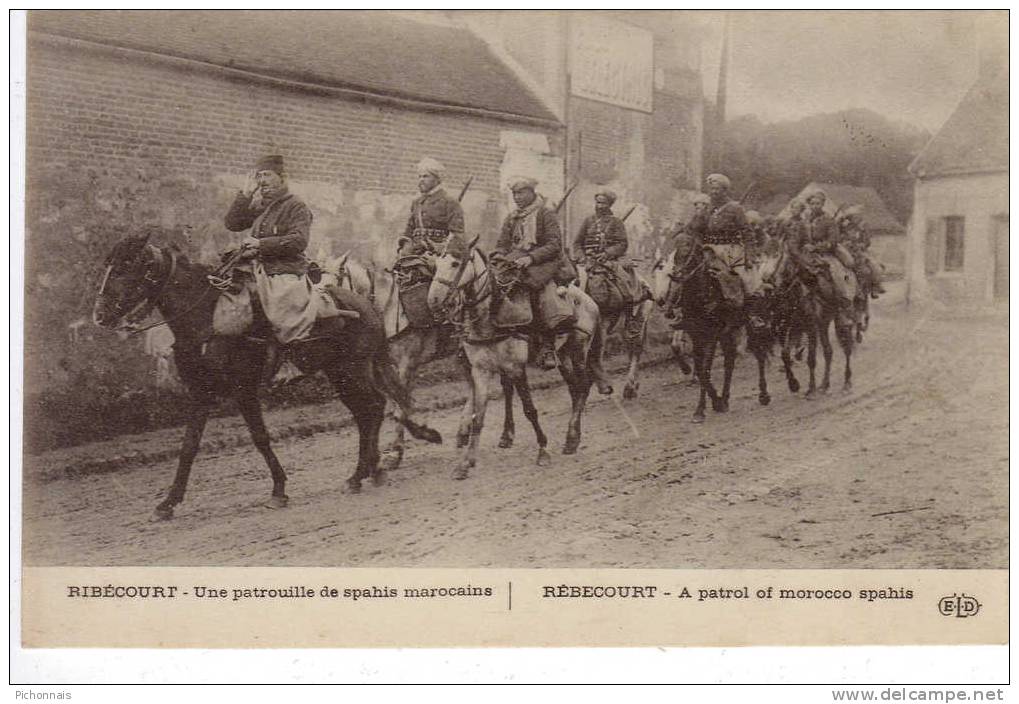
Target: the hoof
(847, 388)
(460, 473)
(693, 382)
(698, 418)
(721, 407)
(794, 386)
(684, 367)
(506, 441)
(352, 486)
(859, 337)
(764, 399)
(630, 392)
(824, 389)
(390, 462)
(810, 395)
(462, 440)
(278, 501)
(570, 448)
(379, 477)
(162, 513)
(544, 459)
(605, 389)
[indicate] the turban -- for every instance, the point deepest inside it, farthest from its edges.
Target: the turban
(428, 165)
(273, 162)
(814, 193)
(701, 198)
(754, 217)
(795, 203)
(720, 180)
(519, 184)
(607, 195)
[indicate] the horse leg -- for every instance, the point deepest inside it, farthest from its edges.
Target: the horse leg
(188, 451)
(508, 429)
(729, 345)
(845, 336)
(252, 413)
(761, 353)
(463, 433)
(367, 404)
(406, 370)
(827, 348)
(480, 381)
(635, 348)
(811, 361)
(597, 356)
(579, 360)
(699, 372)
(531, 412)
(709, 362)
(787, 364)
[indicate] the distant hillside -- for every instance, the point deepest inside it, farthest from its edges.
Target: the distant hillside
(855, 147)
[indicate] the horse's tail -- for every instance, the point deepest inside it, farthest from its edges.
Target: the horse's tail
(387, 381)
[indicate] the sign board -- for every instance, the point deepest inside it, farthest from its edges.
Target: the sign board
(612, 62)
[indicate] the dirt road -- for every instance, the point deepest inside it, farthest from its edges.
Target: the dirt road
(922, 439)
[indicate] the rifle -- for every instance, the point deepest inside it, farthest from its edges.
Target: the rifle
(747, 192)
(463, 191)
(566, 195)
(628, 213)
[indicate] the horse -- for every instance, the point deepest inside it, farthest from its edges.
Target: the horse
(679, 342)
(710, 321)
(412, 347)
(634, 327)
(141, 277)
(801, 309)
(464, 289)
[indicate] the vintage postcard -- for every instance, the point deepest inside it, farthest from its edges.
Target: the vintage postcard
(515, 328)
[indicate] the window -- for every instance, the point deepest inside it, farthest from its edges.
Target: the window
(955, 227)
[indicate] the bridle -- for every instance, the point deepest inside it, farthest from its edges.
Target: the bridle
(157, 286)
(471, 299)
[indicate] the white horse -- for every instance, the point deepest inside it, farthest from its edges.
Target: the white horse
(464, 289)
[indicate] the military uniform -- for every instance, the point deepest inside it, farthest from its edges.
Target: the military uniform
(433, 217)
(857, 241)
(282, 226)
(723, 229)
(821, 259)
(604, 237)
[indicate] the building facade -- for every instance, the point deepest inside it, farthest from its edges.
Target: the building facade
(959, 239)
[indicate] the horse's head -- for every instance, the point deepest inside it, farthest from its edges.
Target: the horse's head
(454, 269)
(131, 279)
(661, 271)
(777, 268)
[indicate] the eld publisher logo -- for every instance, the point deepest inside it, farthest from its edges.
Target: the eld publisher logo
(959, 605)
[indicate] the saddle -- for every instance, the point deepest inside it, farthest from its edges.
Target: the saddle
(413, 276)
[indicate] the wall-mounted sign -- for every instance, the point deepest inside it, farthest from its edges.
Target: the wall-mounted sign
(612, 62)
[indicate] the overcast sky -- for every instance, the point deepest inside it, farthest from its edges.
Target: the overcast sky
(912, 66)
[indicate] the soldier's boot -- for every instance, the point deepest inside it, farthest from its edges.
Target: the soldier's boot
(546, 357)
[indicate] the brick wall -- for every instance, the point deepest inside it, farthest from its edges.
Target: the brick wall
(352, 161)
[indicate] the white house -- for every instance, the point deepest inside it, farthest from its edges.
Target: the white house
(959, 230)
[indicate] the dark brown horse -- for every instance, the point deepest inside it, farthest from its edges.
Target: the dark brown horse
(141, 277)
(694, 294)
(802, 309)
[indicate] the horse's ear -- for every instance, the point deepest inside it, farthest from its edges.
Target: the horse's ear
(474, 242)
(342, 262)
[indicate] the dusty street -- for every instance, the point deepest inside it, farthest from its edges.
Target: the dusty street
(922, 439)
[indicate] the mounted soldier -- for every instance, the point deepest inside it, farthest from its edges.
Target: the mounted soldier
(531, 243)
(823, 261)
(857, 240)
(271, 264)
(434, 216)
(598, 248)
(722, 231)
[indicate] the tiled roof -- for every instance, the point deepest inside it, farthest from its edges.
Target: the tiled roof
(383, 53)
(975, 137)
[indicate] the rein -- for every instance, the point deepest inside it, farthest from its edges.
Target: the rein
(151, 300)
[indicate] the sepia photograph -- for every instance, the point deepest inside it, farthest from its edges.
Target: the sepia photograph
(671, 290)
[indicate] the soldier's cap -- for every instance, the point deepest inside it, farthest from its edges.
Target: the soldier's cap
(815, 193)
(607, 195)
(796, 203)
(720, 180)
(522, 183)
(428, 165)
(272, 162)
